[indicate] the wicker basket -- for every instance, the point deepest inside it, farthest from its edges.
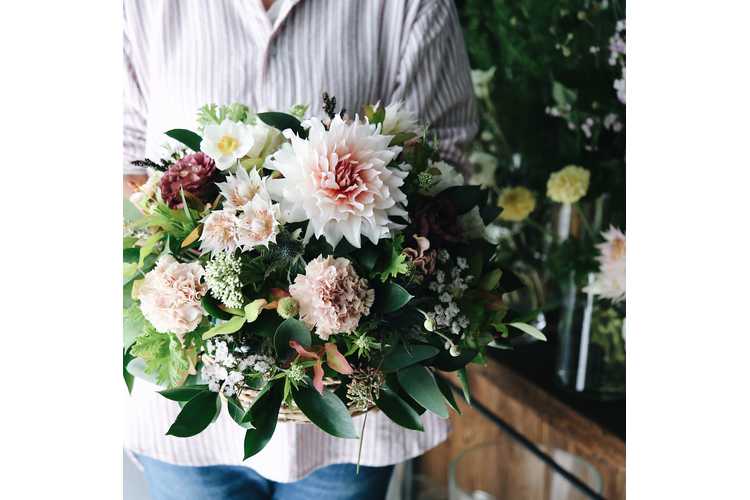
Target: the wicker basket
(287, 413)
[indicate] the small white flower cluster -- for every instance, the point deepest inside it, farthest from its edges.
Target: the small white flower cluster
(612, 121)
(617, 57)
(447, 313)
(227, 372)
(223, 279)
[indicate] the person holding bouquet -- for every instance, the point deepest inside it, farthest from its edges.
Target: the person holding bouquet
(274, 55)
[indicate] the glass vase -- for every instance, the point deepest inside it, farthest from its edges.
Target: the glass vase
(590, 344)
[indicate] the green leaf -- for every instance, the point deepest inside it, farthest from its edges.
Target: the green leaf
(391, 297)
(464, 379)
(291, 329)
(529, 330)
(367, 256)
(398, 410)
(133, 324)
(163, 355)
(392, 381)
(326, 411)
(130, 255)
(184, 393)
(463, 198)
(447, 391)
(237, 412)
(148, 247)
(509, 281)
(211, 306)
(403, 355)
(129, 379)
(563, 95)
(266, 324)
(253, 309)
(187, 137)
(230, 326)
(447, 363)
(393, 261)
(197, 414)
(130, 212)
(283, 121)
(263, 415)
(419, 383)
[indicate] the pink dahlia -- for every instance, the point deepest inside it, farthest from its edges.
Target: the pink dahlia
(332, 297)
(338, 179)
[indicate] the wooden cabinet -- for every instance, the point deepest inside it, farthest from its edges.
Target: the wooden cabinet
(537, 415)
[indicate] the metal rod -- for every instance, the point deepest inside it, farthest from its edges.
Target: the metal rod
(529, 445)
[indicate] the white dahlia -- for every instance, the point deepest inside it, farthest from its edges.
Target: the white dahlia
(227, 142)
(239, 189)
(171, 296)
(258, 223)
(339, 180)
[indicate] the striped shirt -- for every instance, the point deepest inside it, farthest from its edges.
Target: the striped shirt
(182, 54)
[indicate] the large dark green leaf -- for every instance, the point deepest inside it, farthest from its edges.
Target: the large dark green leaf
(263, 415)
(237, 412)
(463, 377)
(398, 410)
(187, 137)
(131, 255)
(211, 305)
(291, 329)
(129, 379)
(404, 355)
(326, 411)
(283, 121)
(184, 393)
(509, 282)
(463, 198)
(419, 382)
(447, 363)
(391, 297)
(447, 391)
(392, 380)
(196, 415)
(225, 328)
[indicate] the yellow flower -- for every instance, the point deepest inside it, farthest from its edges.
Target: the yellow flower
(517, 203)
(569, 184)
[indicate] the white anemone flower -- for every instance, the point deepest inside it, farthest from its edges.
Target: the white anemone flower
(241, 188)
(228, 142)
(446, 177)
(258, 224)
(339, 180)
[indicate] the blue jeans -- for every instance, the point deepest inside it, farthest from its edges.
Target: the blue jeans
(229, 482)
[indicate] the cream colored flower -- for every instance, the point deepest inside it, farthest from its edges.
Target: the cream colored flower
(610, 281)
(445, 177)
(171, 294)
(258, 223)
(517, 203)
(240, 188)
(398, 119)
(339, 180)
(332, 297)
(569, 184)
(147, 192)
(219, 232)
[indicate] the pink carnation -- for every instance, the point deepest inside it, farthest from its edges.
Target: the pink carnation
(332, 297)
(171, 296)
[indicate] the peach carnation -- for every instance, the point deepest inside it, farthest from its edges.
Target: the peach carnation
(171, 296)
(332, 297)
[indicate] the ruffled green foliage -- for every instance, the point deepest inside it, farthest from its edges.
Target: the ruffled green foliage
(165, 357)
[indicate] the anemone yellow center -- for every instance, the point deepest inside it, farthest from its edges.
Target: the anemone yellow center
(227, 144)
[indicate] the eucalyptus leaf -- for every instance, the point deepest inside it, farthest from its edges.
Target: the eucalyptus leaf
(419, 382)
(463, 377)
(398, 410)
(197, 414)
(230, 326)
(186, 137)
(326, 411)
(263, 415)
(404, 355)
(529, 330)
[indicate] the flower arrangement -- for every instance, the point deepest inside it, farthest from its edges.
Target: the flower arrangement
(326, 267)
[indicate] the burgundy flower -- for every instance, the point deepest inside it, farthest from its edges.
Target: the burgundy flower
(437, 220)
(193, 174)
